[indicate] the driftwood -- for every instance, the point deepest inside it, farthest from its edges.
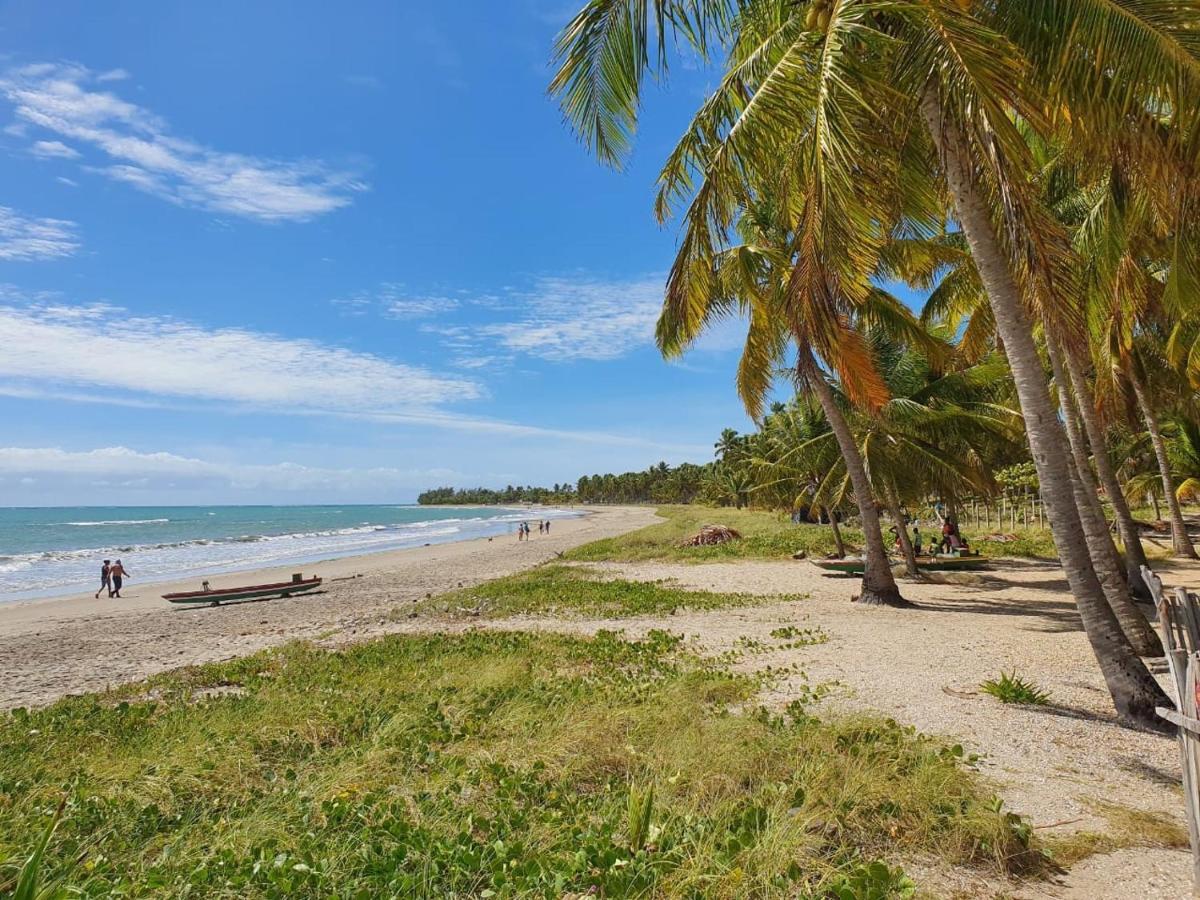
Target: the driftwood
(711, 534)
(1179, 621)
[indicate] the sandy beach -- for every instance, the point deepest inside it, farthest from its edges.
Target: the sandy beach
(66, 645)
(1059, 765)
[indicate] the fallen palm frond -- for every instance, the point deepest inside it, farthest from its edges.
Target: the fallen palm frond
(709, 535)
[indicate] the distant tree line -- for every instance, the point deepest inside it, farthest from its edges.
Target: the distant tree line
(660, 483)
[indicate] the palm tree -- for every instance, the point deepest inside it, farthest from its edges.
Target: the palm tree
(729, 445)
(820, 97)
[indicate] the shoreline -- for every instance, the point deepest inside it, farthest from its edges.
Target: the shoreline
(253, 569)
(72, 643)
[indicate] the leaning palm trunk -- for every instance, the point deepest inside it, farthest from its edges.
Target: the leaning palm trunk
(1179, 536)
(906, 547)
(838, 543)
(1091, 515)
(1134, 691)
(1135, 554)
(878, 585)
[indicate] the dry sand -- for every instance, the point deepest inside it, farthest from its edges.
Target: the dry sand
(921, 666)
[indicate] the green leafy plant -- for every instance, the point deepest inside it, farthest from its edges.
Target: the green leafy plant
(1012, 688)
(873, 881)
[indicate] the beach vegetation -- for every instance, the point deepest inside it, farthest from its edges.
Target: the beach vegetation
(565, 590)
(483, 764)
(1013, 688)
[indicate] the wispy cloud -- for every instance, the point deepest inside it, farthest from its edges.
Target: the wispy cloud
(141, 150)
(23, 238)
(558, 318)
(117, 466)
(393, 301)
(580, 318)
(113, 75)
(53, 150)
(171, 363)
(175, 359)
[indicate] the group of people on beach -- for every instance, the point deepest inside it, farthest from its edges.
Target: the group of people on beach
(112, 575)
(523, 530)
(952, 539)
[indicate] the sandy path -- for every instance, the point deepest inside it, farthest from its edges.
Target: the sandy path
(69, 645)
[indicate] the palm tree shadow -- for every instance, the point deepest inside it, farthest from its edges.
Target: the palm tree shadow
(1143, 769)
(1051, 616)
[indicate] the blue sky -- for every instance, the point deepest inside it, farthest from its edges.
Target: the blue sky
(297, 252)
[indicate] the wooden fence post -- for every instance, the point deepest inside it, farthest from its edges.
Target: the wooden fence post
(1179, 621)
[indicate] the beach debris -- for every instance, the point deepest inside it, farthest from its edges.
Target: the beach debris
(802, 554)
(711, 534)
(999, 538)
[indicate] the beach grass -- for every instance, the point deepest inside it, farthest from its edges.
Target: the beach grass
(557, 589)
(483, 765)
(772, 535)
(765, 535)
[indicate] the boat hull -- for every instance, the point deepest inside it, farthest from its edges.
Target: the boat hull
(249, 592)
(935, 564)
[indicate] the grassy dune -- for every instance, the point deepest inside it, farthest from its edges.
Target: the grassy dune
(581, 590)
(483, 765)
(766, 535)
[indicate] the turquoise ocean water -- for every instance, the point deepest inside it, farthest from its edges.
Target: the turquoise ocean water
(46, 551)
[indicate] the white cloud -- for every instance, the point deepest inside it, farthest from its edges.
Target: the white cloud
(418, 307)
(113, 75)
(562, 319)
(157, 470)
(143, 153)
(391, 300)
(163, 362)
(23, 239)
(53, 149)
(581, 318)
(165, 357)
(62, 179)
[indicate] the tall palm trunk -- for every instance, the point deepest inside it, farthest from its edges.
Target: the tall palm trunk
(878, 585)
(1179, 536)
(1135, 554)
(838, 543)
(1091, 515)
(1079, 451)
(906, 547)
(1134, 691)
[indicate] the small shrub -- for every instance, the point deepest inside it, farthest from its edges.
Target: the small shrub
(1012, 688)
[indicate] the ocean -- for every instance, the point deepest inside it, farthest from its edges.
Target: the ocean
(52, 550)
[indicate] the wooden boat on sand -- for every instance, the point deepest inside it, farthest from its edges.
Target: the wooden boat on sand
(928, 563)
(214, 596)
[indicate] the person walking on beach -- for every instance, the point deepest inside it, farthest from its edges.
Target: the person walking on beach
(547, 526)
(117, 573)
(105, 579)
